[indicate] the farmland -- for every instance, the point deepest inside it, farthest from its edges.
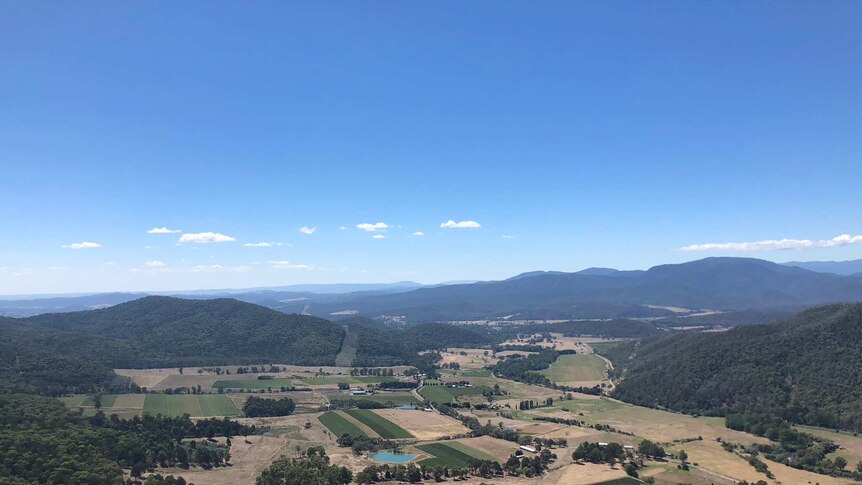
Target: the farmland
(320, 381)
(576, 368)
(382, 426)
(451, 454)
(254, 384)
(195, 405)
(338, 425)
(445, 394)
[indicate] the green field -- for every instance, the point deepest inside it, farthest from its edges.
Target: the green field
(448, 455)
(382, 426)
(621, 481)
(576, 368)
(601, 347)
(205, 405)
(589, 406)
(443, 394)
(477, 373)
(397, 399)
(254, 384)
(319, 381)
(338, 425)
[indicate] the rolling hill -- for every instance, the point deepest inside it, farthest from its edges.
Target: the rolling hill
(159, 331)
(806, 369)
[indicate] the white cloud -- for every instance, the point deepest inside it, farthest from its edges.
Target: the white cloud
(206, 268)
(155, 264)
(307, 230)
(378, 236)
(418, 233)
(205, 237)
(772, 244)
(343, 228)
(262, 244)
(507, 236)
(162, 230)
(369, 227)
(109, 263)
(288, 265)
(82, 245)
(450, 224)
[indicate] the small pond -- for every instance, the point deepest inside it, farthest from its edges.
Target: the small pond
(389, 457)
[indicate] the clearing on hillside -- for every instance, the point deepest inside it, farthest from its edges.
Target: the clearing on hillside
(382, 426)
(339, 426)
(197, 405)
(576, 368)
(423, 425)
(347, 353)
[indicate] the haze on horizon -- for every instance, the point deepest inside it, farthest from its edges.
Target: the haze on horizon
(148, 148)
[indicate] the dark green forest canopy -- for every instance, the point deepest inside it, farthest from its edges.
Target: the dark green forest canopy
(807, 369)
(65, 352)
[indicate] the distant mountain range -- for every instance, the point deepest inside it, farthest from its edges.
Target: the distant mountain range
(845, 268)
(674, 290)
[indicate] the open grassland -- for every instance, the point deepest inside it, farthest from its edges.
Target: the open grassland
(851, 446)
(386, 398)
(448, 455)
(496, 449)
(348, 348)
(423, 425)
(254, 384)
(347, 379)
(382, 426)
(468, 358)
(338, 425)
(576, 368)
(444, 394)
(200, 405)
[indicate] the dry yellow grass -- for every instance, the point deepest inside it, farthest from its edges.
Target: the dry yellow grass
(424, 425)
(501, 450)
(584, 474)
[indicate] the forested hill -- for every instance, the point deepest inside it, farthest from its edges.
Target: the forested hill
(807, 369)
(158, 332)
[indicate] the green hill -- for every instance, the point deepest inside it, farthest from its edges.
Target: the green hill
(159, 332)
(807, 369)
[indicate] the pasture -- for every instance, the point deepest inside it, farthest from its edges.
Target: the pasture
(386, 398)
(200, 405)
(423, 425)
(576, 368)
(382, 426)
(338, 425)
(334, 380)
(451, 454)
(444, 394)
(253, 384)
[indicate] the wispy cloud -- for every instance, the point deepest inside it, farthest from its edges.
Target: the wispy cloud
(162, 230)
(343, 228)
(450, 224)
(772, 244)
(205, 238)
(288, 265)
(307, 230)
(378, 236)
(507, 236)
(262, 244)
(83, 245)
(369, 227)
(155, 264)
(418, 233)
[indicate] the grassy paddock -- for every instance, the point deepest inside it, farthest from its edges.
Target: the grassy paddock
(204, 405)
(254, 384)
(319, 381)
(336, 424)
(576, 368)
(397, 399)
(382, 426)
(445, 454)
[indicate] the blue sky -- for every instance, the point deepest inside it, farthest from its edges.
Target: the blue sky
(575, 134)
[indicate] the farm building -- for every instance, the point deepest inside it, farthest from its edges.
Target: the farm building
(528, 448)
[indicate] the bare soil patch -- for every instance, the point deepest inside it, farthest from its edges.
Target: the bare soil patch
(424, 425)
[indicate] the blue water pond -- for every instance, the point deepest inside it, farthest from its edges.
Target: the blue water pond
(389, 457)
